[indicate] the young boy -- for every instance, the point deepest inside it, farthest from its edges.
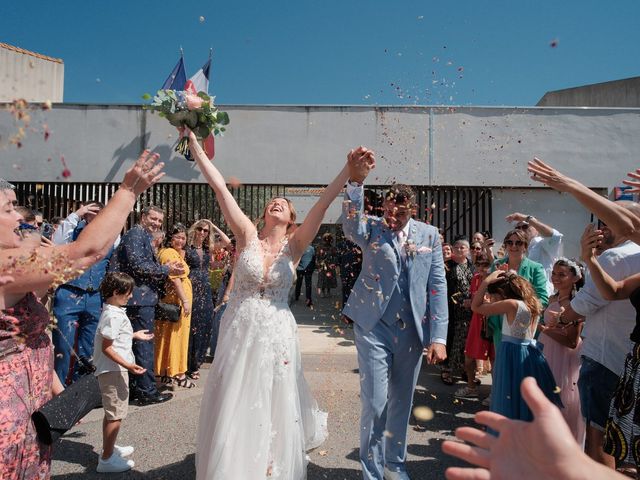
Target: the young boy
(114, 360)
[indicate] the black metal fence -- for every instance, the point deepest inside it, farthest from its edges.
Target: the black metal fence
(457, 211)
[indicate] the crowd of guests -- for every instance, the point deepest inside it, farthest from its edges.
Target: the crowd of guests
(516, 309)
(103, 292)
(584, 315)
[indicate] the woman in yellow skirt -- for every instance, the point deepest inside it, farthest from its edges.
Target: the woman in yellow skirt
(172, 338)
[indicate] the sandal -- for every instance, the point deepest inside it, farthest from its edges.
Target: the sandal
(194, 375)
(445, 376)
(466, 392)
(184, 382)
(476, 381)
(164, 379)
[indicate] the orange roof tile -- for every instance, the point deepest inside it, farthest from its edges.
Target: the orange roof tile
(27, 52)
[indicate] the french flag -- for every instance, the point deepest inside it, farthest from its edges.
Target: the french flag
(200, 81)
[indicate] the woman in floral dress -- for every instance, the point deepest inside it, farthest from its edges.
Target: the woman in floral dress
(27, 379)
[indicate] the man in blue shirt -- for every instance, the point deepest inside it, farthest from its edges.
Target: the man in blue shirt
(77, 304)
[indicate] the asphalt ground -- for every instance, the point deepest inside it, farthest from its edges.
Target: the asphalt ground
(164, 435)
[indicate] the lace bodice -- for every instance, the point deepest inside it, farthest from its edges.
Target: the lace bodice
(251, 279)
(521, 326)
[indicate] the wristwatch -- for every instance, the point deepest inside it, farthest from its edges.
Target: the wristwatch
(528, 218)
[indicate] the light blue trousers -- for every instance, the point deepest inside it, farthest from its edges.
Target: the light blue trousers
(389, 359)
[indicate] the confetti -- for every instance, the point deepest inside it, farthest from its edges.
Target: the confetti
(423, 413)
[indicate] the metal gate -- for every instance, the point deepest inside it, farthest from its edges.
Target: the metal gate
(457, 211)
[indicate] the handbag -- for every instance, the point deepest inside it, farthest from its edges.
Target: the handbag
(63, 411)
(168, 312)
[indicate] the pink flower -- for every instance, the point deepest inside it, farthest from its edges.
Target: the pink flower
(194, 102)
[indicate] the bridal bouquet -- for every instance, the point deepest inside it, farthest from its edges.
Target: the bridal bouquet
(193, 110)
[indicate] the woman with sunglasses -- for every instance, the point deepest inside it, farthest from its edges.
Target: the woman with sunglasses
(516, 243)
(203, 240)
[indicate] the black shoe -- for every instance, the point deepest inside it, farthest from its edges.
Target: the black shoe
(143, 401)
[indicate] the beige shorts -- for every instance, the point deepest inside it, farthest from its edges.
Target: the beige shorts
(114, 387)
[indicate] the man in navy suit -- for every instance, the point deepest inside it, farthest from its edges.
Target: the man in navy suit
(135, 256)
(399, 307)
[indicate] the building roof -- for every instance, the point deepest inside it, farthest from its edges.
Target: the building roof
(27, 52)
(624, 93)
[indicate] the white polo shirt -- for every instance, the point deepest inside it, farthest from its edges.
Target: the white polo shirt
(113, 325)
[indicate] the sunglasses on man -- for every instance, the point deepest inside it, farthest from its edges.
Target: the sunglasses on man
(523, 226)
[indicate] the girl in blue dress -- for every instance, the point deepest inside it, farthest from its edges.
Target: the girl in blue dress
(517, 355)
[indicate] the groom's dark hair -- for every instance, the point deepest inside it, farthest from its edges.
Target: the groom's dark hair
(400, 193)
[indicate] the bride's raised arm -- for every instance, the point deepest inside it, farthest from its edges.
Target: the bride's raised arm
(239, 223)
(304, 234)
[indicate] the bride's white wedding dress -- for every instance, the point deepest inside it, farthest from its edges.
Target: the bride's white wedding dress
(258, 417)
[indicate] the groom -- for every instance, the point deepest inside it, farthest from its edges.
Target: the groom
(399, 306)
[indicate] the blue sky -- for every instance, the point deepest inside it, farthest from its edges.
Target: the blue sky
(338, 52)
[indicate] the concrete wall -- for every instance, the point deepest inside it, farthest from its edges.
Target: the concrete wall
(618, 93)
(307, 145)
(31, 76)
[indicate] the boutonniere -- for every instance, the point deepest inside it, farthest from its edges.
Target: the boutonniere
(410, 248)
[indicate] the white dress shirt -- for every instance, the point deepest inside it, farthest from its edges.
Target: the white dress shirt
(608, 324)
(545, 251)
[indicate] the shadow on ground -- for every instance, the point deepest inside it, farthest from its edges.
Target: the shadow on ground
(83, 454)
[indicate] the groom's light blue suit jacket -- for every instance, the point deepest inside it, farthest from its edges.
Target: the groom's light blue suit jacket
(381, 264)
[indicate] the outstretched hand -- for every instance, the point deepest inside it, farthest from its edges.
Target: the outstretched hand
(91, 209)
(589, 240)
(515, 217)
(360, 161)
(543, 173)
(143, 335)
(143, 173)
(635, 183)
(543, 448)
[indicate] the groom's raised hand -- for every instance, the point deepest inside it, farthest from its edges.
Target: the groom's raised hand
(360, 161)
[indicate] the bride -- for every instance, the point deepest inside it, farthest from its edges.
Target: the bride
(258, 417)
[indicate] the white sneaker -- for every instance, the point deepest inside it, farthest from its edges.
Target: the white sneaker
(114, 464)
(123, 451)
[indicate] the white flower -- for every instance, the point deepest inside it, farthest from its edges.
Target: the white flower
(410, 248)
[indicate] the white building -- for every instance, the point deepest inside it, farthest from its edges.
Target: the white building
(29, 76)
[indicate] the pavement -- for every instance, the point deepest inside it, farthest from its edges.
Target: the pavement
(164, 435)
